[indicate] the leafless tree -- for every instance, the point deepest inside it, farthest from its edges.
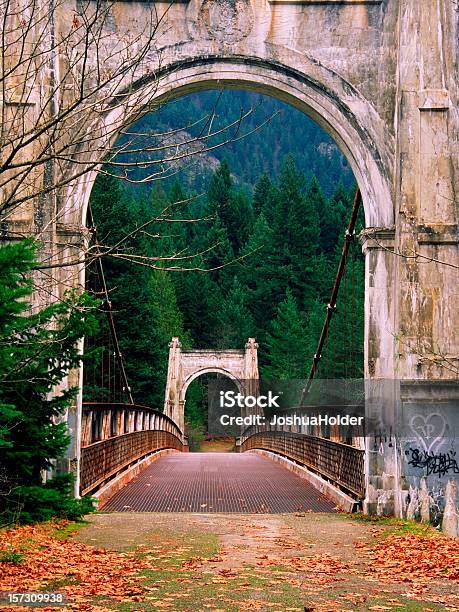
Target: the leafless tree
(62, 71)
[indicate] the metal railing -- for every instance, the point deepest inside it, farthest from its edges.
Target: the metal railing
(340, 463)
(115, 436)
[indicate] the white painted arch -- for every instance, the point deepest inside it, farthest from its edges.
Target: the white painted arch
(184, 366)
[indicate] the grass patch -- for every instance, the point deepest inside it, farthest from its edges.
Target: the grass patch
(403, 606)
(11, 556)
(400, 526)
(182, 579)
(62, 532)
(55, 585)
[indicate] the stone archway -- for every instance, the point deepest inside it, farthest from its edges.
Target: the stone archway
(186, 365)
(343, 112)
(362, 134)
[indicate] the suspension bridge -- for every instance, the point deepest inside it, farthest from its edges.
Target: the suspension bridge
(134, 458)
(382, 82)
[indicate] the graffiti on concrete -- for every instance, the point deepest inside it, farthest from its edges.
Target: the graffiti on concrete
(429, 430)
(439, 464)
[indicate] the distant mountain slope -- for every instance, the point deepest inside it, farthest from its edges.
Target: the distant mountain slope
(288, 132)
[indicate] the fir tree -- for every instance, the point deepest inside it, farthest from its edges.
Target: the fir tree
(296, 235)
(332, 215)
(217, 252)
(145, 309)
(262, 193)
(287, 353)
(36, 352)
(220, 186)
(263, 275)
(232, 206)
(198, 299)
(234, 320)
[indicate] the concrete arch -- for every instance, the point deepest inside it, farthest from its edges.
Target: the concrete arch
(318, 92)
(185, 366)
(192, 377)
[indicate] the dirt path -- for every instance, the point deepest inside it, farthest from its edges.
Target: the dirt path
(218, 445)
(276, 563)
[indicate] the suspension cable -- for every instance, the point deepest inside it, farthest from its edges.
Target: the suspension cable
(353, 372)
(331, 306)
(345, 321)
(109, 311)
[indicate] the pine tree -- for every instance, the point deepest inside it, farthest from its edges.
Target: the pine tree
(36, 352)
(198, 299)
(296, 235)
(263, 274)
(217, 253)
(234, 320)
(332, 215)
(287, 353)
(145, 309)
(303, 243)
(220, 186)
(232, 206)
(262, 193)
(240, 222)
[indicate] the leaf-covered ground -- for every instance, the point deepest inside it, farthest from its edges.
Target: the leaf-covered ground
(226, 563)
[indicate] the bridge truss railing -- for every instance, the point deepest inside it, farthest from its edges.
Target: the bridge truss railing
(339, 463)
(116, 436)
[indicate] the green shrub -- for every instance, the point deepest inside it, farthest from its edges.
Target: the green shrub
(196, 435)
(36, 503)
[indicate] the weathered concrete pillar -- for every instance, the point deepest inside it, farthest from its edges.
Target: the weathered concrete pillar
(425, 344)
(450, 523)
(171, 407)
(380, 299)
(68, 245)
(424, 502)
(427, 140)
(381, 465)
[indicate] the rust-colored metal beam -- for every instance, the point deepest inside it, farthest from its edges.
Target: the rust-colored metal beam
(331, 306)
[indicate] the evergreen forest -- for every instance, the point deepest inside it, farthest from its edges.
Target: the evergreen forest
(249, 250)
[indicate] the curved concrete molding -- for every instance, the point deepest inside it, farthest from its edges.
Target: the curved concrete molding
(325, 1)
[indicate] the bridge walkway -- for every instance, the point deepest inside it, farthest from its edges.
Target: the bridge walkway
(218, 482)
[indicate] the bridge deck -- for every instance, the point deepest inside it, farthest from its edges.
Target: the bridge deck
(218, 482)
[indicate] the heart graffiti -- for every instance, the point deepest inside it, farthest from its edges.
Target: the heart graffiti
(429, 430)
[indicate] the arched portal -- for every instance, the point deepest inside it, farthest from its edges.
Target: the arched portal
(212, 370)
(325, 97)
(364, 137)
(186, 365)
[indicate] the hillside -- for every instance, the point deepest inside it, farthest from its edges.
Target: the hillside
(274, 130)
